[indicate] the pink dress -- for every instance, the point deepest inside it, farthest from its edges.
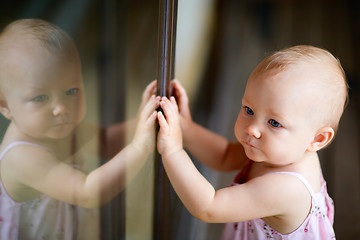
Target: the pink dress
(40, 218)
(317, 225)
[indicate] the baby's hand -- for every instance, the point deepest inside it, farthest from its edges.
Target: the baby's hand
(170, 136)
(183, 103)
(144, 138)
(148, 92)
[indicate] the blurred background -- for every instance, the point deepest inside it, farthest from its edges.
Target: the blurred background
(219, 43)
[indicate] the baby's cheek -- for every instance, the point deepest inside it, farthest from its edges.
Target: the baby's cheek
(238, 131)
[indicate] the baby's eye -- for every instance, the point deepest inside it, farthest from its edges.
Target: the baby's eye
(249, 111)
(72, 91)
(274, 123)
(41, 98)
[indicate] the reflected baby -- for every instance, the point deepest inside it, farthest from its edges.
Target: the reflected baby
(42, 95)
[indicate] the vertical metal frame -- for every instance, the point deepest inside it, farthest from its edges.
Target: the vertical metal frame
(166, 62)
(165, 38)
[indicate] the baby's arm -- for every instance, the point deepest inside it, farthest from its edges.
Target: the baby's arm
(210, 148)
(113, 138)
(42, 172)
(255, 199)
(116, 132)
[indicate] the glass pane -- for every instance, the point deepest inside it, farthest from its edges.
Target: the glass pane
(117, 44)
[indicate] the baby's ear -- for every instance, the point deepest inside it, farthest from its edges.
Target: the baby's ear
(4, 109)
(322, 138)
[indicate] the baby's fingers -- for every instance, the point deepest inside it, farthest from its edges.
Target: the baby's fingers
(149, 90)
(170, 109)
(150, 107)
(174, 104)
(179, 89)
(162, 121)
(152, 117)
(180, 93)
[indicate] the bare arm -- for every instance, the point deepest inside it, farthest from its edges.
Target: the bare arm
(42, 172)
(115, 135)
(214, 150)
(254, 199)
(113, 138)
(208, 147)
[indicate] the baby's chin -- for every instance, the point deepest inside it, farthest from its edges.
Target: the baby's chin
(61, 132)
(253, 154)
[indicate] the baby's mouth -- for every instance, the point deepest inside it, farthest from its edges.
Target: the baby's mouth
(60, 124)
(248, 143)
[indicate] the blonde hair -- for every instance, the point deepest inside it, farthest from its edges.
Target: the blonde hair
(335, 83)
(46, 34)
(38, 32)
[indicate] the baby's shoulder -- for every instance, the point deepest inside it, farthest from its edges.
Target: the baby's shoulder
(278, 180)
(20, 154)
(280, 188)
(20, 162)
(282, 191)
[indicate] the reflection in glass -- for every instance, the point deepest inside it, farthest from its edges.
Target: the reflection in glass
(49, 188)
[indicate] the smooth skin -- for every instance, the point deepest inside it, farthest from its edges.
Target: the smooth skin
(264, 138)
(45, 104)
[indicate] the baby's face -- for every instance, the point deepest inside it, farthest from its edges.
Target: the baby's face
(276, 124)
(46, 94)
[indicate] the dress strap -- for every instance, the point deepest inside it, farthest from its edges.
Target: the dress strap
(301, 178)
(16, 143)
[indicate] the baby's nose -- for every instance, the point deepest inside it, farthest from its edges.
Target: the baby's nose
(253, 130)
(59, 109)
